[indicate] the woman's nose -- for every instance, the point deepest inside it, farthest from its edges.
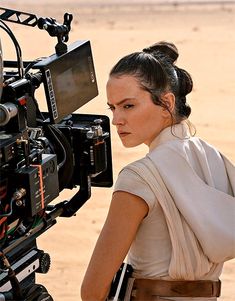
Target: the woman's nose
(117, 118)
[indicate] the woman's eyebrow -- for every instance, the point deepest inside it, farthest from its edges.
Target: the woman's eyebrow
(121, 102)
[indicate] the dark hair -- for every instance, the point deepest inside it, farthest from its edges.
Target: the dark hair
(157, 73)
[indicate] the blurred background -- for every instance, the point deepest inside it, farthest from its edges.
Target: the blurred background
(204, 33)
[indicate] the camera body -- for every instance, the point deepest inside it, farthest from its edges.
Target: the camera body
(43, 153)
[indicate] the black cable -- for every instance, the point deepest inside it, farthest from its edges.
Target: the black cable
(17, 292)
(65, 167)
(55, 132)
(17, 48)
(10, 210)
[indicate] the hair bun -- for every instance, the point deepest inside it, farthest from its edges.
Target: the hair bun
(165, 48)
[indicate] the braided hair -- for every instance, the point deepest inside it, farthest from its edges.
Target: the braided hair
(157, 73)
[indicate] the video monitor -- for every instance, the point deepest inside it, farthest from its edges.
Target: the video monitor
(69, 80)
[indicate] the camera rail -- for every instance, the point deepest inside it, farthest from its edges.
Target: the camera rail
(18, 17)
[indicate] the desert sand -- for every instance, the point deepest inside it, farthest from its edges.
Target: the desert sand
(205, 38)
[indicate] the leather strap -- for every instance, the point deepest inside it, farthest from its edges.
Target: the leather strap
(143, 289)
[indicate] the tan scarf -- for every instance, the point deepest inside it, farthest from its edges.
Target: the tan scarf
(201, 223)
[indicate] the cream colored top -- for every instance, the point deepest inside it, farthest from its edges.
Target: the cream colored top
(172, 242)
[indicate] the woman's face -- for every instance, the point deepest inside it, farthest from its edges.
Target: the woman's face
(137, 119)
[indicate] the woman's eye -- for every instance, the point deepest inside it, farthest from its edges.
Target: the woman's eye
(111, 108)
(128, 106)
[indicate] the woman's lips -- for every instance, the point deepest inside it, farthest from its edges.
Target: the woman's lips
(123, 134)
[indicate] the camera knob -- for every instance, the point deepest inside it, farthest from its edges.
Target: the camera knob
(44, 263)
(7, 111)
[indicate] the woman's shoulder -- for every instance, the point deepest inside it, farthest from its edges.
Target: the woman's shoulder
(183, 147)
(131, 179)
(136, 166)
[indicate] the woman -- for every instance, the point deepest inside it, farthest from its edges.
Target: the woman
(172, 212)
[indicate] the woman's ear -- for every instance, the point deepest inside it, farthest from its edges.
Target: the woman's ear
(169, 100)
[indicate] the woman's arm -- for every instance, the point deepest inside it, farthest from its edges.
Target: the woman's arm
(124, 217)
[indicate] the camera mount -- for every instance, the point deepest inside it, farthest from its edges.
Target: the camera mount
(61, 31)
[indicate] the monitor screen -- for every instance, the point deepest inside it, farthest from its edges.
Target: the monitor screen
(69, 80)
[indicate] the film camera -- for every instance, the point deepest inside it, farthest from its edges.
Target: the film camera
(43, 153)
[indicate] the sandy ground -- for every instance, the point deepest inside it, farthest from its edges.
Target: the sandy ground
(206, 41)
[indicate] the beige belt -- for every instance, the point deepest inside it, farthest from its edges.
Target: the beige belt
(144, 289)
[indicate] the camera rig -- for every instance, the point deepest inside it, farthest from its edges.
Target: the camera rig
(43, 153)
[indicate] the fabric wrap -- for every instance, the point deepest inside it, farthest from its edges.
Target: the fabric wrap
(200, 218)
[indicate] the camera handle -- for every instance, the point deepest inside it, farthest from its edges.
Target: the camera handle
(69, 208)
(57, 30)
